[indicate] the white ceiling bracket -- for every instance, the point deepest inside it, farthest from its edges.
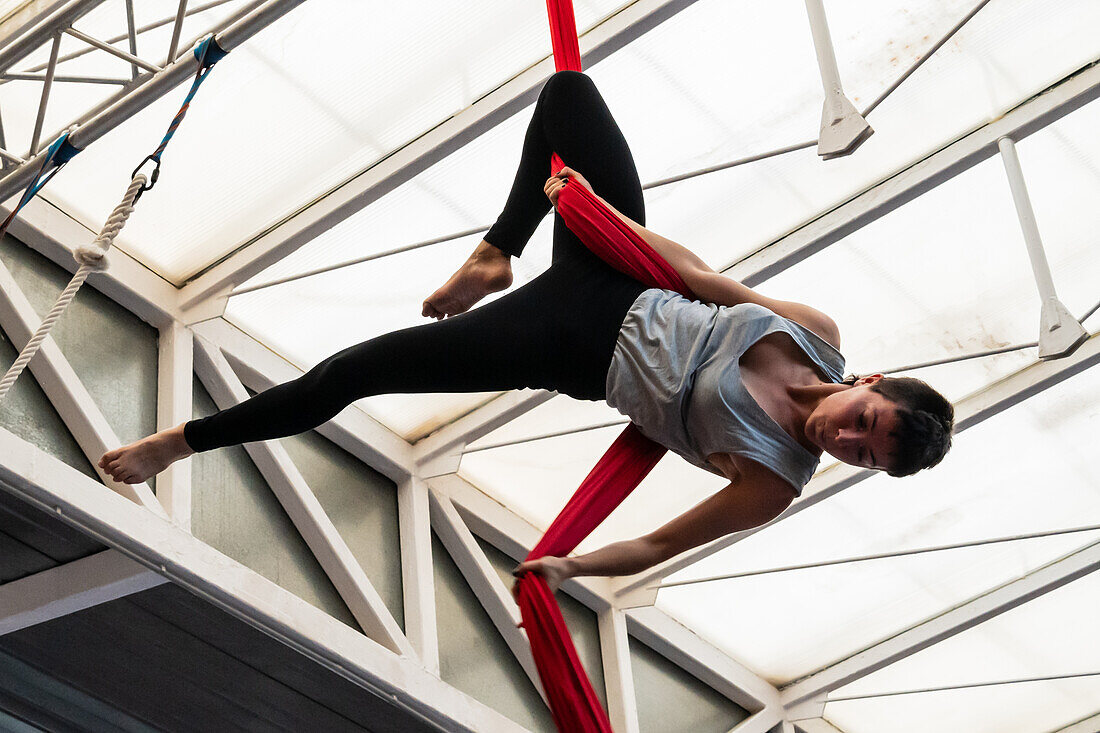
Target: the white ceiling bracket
(1060, 334)
(442, 464)
(204, 309)
(637, 597)
(807, 709)
(843, 128)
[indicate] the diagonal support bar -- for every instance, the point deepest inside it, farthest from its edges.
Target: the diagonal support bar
(1059, 332)
(72, 587)
(49, 485)
(303, 508)
(65, 391)
(843, 128)
(483, 581)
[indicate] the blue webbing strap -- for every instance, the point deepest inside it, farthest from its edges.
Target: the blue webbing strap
(62, 151)
(207, 54)
(58, 154)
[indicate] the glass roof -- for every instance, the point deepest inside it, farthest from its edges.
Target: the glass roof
(316, 98)
(310, 102)
(1055, 635)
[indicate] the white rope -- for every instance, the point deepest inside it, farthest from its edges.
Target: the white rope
(91, 258)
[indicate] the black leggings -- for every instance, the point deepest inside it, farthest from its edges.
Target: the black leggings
(557, 332)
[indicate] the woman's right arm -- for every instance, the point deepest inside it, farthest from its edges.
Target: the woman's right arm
(751, 499)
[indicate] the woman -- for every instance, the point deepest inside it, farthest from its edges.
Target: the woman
(749, 387)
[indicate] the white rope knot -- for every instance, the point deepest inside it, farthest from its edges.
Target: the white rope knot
(91, 257)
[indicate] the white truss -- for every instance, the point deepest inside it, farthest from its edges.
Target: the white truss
(72, 587)
(303, 508)
(452, 505)
(156, 543)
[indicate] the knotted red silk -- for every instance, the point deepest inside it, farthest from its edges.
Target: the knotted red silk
(573, 703)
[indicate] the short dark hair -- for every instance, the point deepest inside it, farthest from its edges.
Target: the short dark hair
(925, 422)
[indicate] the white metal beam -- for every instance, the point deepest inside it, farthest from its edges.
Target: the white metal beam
(331, 208)
(52, 486)
(511, 534)
(303, 508)
(484, 582)
(65, 391)
(74, 586)
(763, 721)
(417, 576)
(990, 401)
(618, 675)
(901, 188)
(680, 645)
(1090, 724)
(259, 368)
(441, 452)
(148, 87)
(1050, 577)
(35, 23)
(514, 536)
(175, 377)
(815, 725)
(55, 235)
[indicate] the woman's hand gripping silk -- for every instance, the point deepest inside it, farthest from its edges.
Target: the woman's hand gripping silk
(555, 184)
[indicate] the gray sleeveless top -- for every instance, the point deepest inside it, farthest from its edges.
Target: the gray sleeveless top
(675, 372)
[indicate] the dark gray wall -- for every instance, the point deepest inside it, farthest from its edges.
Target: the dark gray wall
(113, 352)
(473, 656)
(234, 510)
(670, 700)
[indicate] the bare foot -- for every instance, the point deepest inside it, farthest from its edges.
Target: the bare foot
(135, 463)
(488, 270)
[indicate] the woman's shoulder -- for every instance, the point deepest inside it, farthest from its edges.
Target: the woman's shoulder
(740, 469)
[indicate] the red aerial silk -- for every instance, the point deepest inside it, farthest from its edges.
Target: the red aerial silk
(573, 702)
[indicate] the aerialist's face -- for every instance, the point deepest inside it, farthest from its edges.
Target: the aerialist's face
(854, 425)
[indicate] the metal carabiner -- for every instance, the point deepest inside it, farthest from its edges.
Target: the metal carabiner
(152, 176)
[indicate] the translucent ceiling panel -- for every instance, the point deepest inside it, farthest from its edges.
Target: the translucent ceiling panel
(948, 274)
(562, 413)
(1007, 53)
(313, 99)
(1053, 635)
(309, 319)
(1029, 469)
(536, 479)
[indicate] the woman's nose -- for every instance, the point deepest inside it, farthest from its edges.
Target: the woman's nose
(845, 437)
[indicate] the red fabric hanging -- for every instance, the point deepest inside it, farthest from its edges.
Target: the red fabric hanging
(563, 35)
(573, 703)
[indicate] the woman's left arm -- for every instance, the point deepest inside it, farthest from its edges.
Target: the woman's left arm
(752, 498)
(708, 285)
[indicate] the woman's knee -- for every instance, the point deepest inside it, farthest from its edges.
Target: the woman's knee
(566, 86)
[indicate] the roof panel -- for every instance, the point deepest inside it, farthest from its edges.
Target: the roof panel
(317, 97)
(996, 61)
(1053, 635)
